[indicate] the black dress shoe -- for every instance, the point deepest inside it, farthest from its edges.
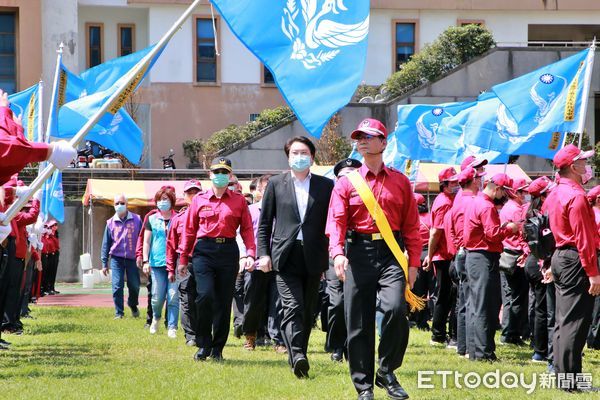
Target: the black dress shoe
(366, 395)
(337, 355)
(202, 354)
(301, 367)
(391, 386)
(216, 355)
(237, 331)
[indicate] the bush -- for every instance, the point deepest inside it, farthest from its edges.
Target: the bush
(455, 46)
(332, 146)
(365, 90)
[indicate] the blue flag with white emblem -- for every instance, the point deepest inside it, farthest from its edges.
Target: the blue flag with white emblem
(546, 103)
(316, 49)
(26, 105)
(53, 201)
(394, 155)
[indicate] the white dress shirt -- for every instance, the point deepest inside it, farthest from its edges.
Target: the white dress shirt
(301, 188)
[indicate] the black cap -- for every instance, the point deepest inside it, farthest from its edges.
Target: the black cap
(346, 163)
(221, 163)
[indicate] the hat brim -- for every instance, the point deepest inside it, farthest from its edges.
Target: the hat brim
(479, 163)
(368, 131)
(584, 155)
(192, 187)
(221, 166)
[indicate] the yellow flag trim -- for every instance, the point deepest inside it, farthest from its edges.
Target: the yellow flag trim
(364, 191)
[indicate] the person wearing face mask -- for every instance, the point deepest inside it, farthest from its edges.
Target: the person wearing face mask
(164, 287)
(483, 236)
(439, 256)
(185, 280)
(292, 242)
(593, 340)
(209, 235)
(575, 260)
(470, 181)
(515, 291)
(118, 245)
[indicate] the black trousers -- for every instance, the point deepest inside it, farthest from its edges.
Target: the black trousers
(464, 337)
(424, 287)
(215, 267)
(540, 319)
(238, 299)
(453, 317)
(4, 251)
(149, 314)
(443, 300)
(26, 291)
(593, 340)
(12, 309)
(515, 296)
(336, 324)
(551, 307)
(255, 301)
(45, 272)
(187, 305)
(50, 268)
(574, 306)
(484, 302)
(299, 293)
(374, 272)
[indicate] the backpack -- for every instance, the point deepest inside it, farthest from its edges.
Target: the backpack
(538, 236)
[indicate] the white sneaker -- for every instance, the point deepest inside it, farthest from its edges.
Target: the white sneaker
(172, 333)
(154, 326)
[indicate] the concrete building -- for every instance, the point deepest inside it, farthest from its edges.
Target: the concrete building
(192, 92)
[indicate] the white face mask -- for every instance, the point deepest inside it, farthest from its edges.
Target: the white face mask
(527, 198)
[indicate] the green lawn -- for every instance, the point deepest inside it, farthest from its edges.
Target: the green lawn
(82, 353)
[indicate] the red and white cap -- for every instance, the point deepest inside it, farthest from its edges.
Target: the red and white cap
(448, 175)
(370, 126)
(191, 184)
(540, 186)
(569, 154)
(468, 174)
(473, 162)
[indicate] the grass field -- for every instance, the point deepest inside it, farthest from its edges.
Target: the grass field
(82, 353)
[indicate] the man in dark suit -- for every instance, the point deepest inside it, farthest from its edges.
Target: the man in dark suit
(292, 241)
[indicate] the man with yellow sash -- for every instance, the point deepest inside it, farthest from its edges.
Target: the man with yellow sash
(372, 218)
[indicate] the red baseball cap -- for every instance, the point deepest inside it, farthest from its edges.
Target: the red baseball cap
(519, 184)
(419, 198)
(569, 154)
(502, 180)
(540, 186)
(448, 175)
(192, 183)
(593, 193)
(370, 126)
(472, 161)
(468, 174)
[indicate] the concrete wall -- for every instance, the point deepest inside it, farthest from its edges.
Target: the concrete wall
(71, 244)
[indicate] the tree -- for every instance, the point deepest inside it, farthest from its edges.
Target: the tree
(332, 146)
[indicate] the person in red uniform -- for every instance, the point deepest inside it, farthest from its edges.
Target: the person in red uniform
(439, 257)
(593, 340)
(187, 284)
(210, 229)
(515, 291)
(53, 258)
(483, 236)
(575, 261)
(369, 268)
(470, 181)
(425, 282)
(47, 250)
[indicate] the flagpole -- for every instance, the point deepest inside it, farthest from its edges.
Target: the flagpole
(54, 99)
(586, 90)
(40, 127)
(132, 75)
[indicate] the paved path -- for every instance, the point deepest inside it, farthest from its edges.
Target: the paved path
(75, 296)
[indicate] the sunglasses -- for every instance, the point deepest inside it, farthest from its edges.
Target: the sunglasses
(220, 171)
(120, 203)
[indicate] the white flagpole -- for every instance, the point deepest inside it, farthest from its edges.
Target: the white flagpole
(586, 90)
(40, 127)
(54, 99)
(116, 97)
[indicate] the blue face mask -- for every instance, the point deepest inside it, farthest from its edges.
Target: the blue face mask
(300, 163)
(120, 208)
(163, 205)
(220, 180)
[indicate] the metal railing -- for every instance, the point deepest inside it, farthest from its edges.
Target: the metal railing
(546, 43)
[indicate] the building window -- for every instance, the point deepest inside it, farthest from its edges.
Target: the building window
(206, 55)
(8, 52)
(405, 42)
(126, 39)
(268, 78)
(95, 46)
(253, 117)
(465, 22)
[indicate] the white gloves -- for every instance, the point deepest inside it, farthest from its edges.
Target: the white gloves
(62, 154)
(38, 228)
(4, 229)
(21, 191)
(38, 195)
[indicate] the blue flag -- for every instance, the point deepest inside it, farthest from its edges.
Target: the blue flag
(315, 49)
(53, 201)
(26, 104)
(394, 155)
(116, 130)
(546, 103)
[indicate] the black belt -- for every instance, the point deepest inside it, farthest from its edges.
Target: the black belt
(354, 235)
(219, 240)
(513, 252)
(567, 248)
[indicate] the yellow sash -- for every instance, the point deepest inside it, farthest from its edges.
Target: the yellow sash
(364, 191)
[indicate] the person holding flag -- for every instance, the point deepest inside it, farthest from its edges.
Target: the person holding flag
(374, 211)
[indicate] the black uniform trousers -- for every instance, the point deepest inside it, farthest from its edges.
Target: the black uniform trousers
(484, 302)
(424, 287)
(215, 267)
(187, 304)
(551, 307)
(4, 251)
(26, 291)
(515, 297)
(593, 340)
(12, 309)
(256, 299)
(299, 293)
(238, 299)
(574, 306)
(464, 336)
(540, 319)
(374, 271)
(443, 300)
(336, 324)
